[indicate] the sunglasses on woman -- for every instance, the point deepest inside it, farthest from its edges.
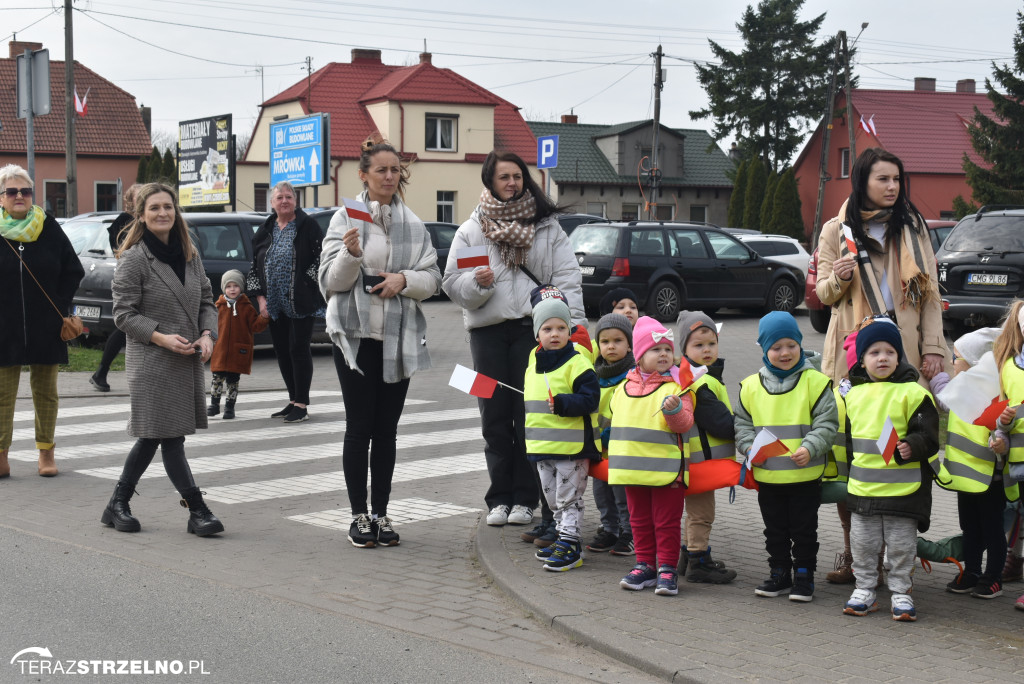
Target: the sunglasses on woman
(14, 192)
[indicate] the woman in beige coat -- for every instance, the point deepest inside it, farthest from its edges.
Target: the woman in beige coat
(902, 282)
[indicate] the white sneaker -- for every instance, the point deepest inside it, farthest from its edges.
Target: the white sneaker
(498, 516)
(520, 515)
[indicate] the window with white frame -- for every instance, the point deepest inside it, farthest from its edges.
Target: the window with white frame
(55, 194)
(597, 209)
(446, 206)
(106, 196)
(441, 133)
(630, 212)
(844, 162)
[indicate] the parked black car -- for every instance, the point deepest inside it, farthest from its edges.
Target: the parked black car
(981, 267)
(673, 266)
(570, 221)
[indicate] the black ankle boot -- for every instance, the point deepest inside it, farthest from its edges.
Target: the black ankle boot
(201, 522)
(214, 408)
(229, 409)
(117, 513)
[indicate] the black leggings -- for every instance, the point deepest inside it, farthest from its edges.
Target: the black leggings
(115, 343)
(372, 411)
(173, 451)
(292, 337)
(981, 520)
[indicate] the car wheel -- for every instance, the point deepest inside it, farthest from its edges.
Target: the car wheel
(782, 296)
(819, 319)
(664, 302)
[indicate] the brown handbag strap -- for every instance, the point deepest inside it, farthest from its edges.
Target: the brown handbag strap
(41, 288)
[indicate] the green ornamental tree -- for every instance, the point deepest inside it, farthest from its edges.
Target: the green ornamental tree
(786, 216)
(140, 175)
(756, 178)
(155, 167)
(1001, 143)
(739, 191)
(768, 203)
(170, 167)
(771, 92)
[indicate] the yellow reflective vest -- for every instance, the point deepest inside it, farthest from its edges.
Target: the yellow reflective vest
(837, 461)
(641, 449)
(970, 465)
(788, 416)
(693, 449)
(547, 433)
(1012, 378)
(867, 407)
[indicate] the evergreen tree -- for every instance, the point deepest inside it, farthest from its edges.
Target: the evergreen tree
(141, 174)
(768, 203)
(739, 191)
(962, 207)
(786, 216)
(756, 178)
(154, 167)
(1001, 144)
(771, 92)
(170, 167)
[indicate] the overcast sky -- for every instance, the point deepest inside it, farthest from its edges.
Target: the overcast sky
(549, 58)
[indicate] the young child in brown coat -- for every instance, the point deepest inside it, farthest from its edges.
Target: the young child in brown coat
(237, 322)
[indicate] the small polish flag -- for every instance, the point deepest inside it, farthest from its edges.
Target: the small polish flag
(357, 210)
(687, 374)
(765, 446)
(887, 442)
(471, 382)
(471, 257)
(81, 105)
(851, 244)
(990, 415)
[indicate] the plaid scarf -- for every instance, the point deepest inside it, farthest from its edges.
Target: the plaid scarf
(913, 271)
(509, 225)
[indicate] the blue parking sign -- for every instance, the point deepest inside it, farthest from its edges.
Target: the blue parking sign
(547, 152)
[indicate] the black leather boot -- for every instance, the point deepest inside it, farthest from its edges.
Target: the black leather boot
(214, 407)
(229, 409)
(117, 513)
(201, 522)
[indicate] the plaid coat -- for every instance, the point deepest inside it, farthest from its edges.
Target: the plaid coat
(167, 389)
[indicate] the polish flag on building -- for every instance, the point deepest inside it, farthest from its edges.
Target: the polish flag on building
(357, 210)
(869, 125)
(81, 105)
(469, 381)
(887, 442)
(765, 446)
(471, 257)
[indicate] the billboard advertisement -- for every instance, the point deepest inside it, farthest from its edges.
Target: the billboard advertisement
(206, 162)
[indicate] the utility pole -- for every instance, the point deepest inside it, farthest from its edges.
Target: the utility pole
(309, 84)
(849, 100)
(655, 170)
(71, 154)
(826, 137)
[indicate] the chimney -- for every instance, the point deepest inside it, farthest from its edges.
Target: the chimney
(570, 118)
(965, 85)
(365, 56)
(18, 47)
(425, 58)
(923, 83)
(147, 118)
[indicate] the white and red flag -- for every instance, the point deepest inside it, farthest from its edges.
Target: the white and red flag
(887, 442)
(869, 125)
(357, 210)
(851, 244)
(765, 446)
(471, 257)
(686, 373)
(469, 381)
(81, 105)
(974, 394)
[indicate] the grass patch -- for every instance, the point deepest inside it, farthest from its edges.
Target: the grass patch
(85, 359)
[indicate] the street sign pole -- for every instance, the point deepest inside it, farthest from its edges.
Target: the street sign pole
(30, 137)
(547, 158)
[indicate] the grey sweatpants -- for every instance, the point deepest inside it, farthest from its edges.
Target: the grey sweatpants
(867, 532)
(562, 484)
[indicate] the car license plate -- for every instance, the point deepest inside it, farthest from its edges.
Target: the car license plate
(587, 270)
(986, 279)
(92, 312)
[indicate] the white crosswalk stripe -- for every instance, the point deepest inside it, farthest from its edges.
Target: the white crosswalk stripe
(401, 512)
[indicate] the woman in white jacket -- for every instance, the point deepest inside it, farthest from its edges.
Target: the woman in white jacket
(525, 247)
(374, 274)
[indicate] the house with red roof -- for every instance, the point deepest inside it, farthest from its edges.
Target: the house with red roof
(110, 138)
(925, 128)
(441, 122)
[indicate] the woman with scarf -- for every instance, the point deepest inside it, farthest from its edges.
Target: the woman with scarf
(515, 222)
(29, 325)
(374, 274)
(895, 275)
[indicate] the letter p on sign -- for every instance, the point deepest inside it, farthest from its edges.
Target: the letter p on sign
(547, 152)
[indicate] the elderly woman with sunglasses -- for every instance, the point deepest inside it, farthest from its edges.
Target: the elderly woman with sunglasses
(37, 265)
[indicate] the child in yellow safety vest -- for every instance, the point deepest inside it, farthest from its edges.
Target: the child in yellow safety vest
(644, 453)
(892, 428)
(792, 400)
(561, 395)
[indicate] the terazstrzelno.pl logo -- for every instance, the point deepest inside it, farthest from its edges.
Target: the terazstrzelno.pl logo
(40, 661)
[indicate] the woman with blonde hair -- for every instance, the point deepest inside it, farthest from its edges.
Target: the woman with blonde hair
(39, 270)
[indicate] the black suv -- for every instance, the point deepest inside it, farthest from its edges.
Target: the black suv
(981, 267)
(673, 266)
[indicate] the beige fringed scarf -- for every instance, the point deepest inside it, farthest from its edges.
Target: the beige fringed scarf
(505, 224)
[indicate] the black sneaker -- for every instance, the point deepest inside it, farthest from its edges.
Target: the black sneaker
(987, 588)
(283, 412)
(964, 583)
(702, 568)
(361, 532)
(566, 556)
(604, 541)
(549, 537)
(803, 585)
(100, 383)
(624, 546)
(538, 531)
(546, 553)
(386, 535)
(296, 415)
(779, 582)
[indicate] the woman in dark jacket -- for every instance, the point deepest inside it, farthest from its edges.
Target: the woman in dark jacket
(29, 324)
(283, 281)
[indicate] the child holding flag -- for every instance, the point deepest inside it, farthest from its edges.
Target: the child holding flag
(786, 423)
(893, 428)
(561, 394)
(644, 453)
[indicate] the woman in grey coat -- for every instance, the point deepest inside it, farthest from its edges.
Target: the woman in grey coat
(164, 304)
